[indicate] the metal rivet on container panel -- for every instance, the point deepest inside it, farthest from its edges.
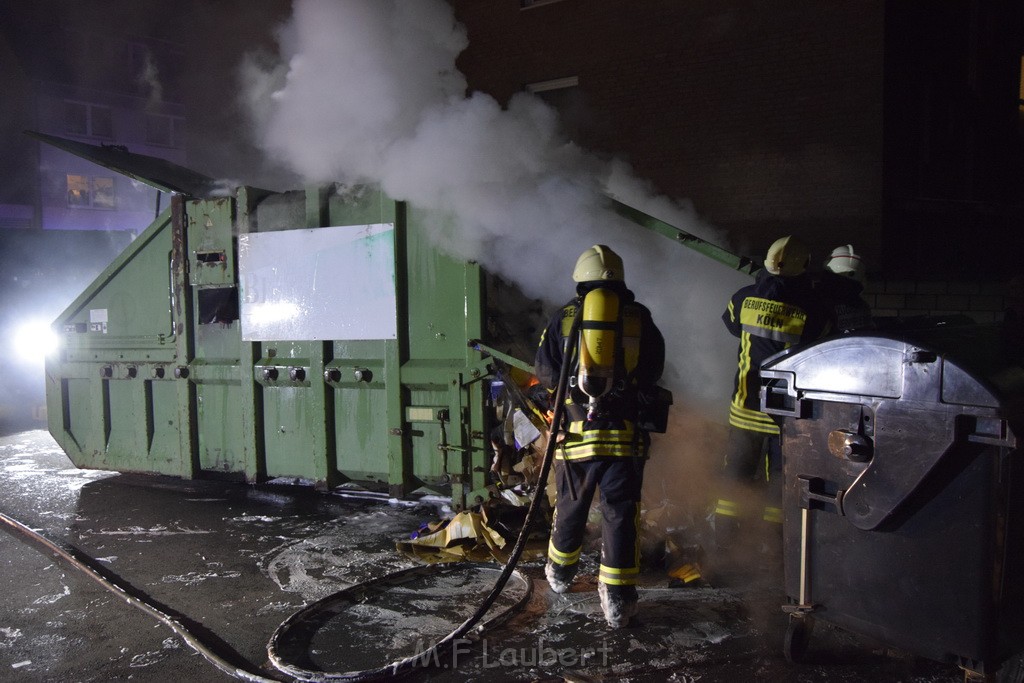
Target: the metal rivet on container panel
(133, 371)
(181, 372)
(106, 371)
(297, 374)
(332, 375)
(158, 373)
(270, 374)
(363, 375)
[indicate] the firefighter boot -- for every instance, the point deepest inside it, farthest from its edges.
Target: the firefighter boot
(619, 603)
(559, 576)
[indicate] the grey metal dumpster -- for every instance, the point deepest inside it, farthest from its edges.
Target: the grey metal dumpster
(902, 499)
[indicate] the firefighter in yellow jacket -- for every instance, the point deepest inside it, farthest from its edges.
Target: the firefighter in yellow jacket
(781, 309)
(618, 356)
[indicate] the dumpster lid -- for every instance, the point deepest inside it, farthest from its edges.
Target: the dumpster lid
(161, 174)
(963, 365)
(926, 391)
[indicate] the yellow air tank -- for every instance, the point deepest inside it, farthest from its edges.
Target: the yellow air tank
(597, 344)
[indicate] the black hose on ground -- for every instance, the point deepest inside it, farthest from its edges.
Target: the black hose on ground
(442, 647)
(190, 639)
(396, 668)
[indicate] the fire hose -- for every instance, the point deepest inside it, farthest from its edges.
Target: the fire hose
(81, 564)
(307, 614)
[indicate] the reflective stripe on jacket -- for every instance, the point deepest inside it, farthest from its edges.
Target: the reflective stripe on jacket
(768, 316)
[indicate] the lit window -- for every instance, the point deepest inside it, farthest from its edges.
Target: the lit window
(91, 192)
(79, 193)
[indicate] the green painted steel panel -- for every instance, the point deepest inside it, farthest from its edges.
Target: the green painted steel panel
(290, 449)
(359, 434)
(155, 374)
(121, 418)
(360, 440)
(219, 411)
(210, 243)
(162, 423)
(77, 435)
(128, 307)
(162, 389)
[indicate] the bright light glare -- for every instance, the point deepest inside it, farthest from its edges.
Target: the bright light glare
(271, 312)
(34, 340)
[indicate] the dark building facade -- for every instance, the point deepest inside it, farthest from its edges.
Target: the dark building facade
(890, 125)
(954, 138)
(82, 72)
(90, 73)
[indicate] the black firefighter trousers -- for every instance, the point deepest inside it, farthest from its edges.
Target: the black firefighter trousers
(620, 480)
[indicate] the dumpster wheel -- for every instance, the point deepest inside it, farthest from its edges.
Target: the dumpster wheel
(798, 636)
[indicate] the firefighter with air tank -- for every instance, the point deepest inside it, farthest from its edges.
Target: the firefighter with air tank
(617, 355)
(781, 309)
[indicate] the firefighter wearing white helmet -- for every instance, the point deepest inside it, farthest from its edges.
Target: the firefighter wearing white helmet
(598, 263)
(616, 359)
(845, 261)
(841, 284)
(781, 309)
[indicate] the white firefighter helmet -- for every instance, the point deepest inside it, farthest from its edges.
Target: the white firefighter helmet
(788, 256)
(845, 261)
(598, 263)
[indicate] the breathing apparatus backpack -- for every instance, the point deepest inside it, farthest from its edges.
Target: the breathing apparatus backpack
(608, 352)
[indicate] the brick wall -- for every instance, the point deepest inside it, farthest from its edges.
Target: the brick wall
(982, 302)
(768, 116)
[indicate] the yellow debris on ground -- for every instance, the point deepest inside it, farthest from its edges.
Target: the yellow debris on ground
(466, 536)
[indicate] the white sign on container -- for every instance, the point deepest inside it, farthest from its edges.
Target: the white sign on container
(318, 284)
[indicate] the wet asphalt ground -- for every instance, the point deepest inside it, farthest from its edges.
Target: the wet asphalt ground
(232, 561)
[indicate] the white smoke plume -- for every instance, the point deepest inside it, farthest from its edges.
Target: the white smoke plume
(367, 90)
(149, 78)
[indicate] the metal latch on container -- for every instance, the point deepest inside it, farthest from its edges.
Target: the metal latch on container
(813, 495)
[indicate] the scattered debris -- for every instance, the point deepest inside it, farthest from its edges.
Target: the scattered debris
(474, 536)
